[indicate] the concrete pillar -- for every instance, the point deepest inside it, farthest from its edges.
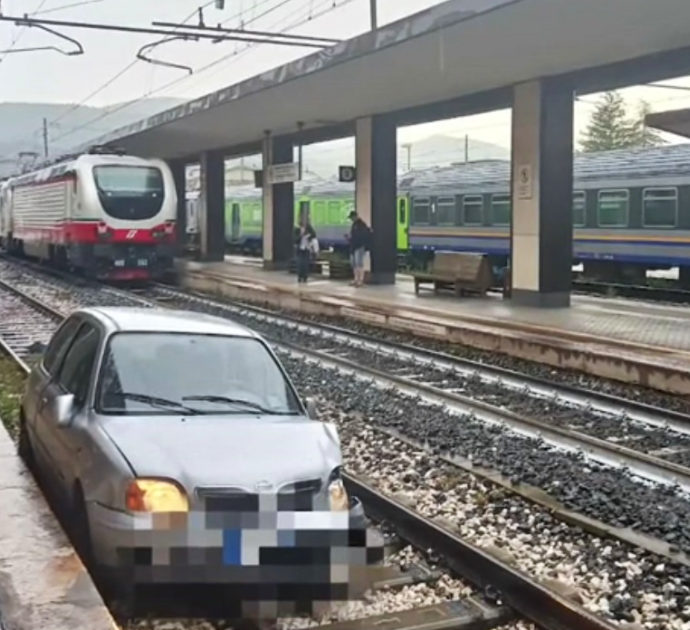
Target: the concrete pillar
(542, 173)
(178, 169)
(376, 189)
(212, 206)
(278, 207)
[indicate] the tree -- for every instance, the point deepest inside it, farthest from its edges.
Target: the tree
(644, 136)
(609, 127)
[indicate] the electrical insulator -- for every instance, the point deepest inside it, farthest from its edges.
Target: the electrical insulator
(220, 4)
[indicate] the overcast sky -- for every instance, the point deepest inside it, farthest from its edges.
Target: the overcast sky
(51, 77)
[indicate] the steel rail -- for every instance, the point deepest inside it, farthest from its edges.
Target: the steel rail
(530, 599)
(483, 618)
(682, 419)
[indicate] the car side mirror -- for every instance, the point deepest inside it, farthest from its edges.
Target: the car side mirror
(62, 410)
(312, 410)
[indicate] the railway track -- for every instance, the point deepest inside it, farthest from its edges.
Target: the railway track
(499, 590)
(474, 468)
(648, 439)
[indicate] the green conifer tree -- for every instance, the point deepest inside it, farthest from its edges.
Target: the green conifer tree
(609, 127)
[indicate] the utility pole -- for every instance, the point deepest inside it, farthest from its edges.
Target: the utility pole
(467, 148)
(45, 137)
(372, 11)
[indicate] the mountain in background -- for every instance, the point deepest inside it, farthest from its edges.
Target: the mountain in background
(21, 125)
(21, 129)
(437, 150)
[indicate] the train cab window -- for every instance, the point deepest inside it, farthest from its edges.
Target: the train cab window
(613, 208)
(129, 192)
(421, 210)
(500, 209)
(472, 210)
(660, 207)
(579, 208)
(445, 211)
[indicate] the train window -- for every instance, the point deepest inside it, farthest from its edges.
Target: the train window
(472, 210)
(613, 208)
(660, 207)
(445, 214)
(129, 192)
(402, 219)
(500, 209)
(579, 208)
(421, 207)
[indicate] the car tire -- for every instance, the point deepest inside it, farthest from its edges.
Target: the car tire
(24, 448)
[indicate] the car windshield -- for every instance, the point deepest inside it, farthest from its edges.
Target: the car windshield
(190, 374)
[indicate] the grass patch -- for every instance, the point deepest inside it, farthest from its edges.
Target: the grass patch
(11, 389)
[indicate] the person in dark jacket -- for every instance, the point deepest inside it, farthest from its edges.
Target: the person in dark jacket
(360, 236)
(305, 237)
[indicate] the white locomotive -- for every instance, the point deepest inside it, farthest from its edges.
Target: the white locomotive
(109, 215)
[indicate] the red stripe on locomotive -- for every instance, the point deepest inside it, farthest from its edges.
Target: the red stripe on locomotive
(93, 232)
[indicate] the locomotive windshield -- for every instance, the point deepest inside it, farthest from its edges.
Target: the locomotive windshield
(130, 192)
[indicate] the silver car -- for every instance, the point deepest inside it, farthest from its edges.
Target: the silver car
(186, 456)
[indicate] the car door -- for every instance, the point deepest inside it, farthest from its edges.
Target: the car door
(40, 377)
(73, 377)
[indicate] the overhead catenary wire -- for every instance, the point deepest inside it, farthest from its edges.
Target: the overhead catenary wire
(134, 62)
(21, 32)
(196, 73)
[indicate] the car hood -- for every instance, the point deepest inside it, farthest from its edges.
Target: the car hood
(226, 450)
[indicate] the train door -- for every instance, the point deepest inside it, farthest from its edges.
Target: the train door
(403, 220)
(304, 212)
(235, 222)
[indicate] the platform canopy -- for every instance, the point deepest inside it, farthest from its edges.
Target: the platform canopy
(456, 49)
(675, 121)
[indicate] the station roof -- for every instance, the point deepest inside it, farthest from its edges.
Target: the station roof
(675, 121)
(456, 49)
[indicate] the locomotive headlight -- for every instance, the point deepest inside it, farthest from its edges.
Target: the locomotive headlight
(155, 495)
(337, 495)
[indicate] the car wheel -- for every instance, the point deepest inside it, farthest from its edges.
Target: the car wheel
(24, 447)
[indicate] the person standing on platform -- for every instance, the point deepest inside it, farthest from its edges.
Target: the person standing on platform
(360, 239)
(305, 241)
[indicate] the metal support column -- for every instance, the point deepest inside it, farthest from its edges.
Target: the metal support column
(278, 207)
(178, 168)
(376, 189)
(212, 206)
(542, 172)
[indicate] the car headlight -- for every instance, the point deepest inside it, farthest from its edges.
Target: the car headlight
(155, 495)
(337, 495)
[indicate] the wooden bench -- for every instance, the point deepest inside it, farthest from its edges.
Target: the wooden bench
(464, 273)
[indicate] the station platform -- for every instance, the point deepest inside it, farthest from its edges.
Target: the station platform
(630, 341)
(43, 583)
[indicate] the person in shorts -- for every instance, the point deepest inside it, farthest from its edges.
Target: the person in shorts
(360, 237)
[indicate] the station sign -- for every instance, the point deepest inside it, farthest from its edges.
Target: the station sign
(283, 173)
(525, 182)
(347, 173)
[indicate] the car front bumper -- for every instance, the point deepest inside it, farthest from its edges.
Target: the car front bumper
(301, 551)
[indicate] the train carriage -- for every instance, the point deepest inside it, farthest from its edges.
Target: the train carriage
(104, 213)
(630, 212)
